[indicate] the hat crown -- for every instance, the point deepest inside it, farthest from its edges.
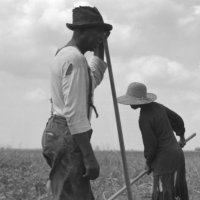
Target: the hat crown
(87, 17)
(86, 14)
(137, 90)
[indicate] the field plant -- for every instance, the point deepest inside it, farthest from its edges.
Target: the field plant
(23, 175)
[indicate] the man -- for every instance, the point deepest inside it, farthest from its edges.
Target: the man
(66, 139)
(163, 154)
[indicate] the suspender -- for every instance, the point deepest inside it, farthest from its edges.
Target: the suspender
(90, 103)
(51, 102)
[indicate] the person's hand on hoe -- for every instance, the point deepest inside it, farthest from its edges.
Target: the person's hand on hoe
(148, 168)
(182, 141)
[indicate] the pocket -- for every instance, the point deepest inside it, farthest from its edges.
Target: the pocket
(56, 128)
(43, 134)
(50, 135)
(49, 141)
(52, 128)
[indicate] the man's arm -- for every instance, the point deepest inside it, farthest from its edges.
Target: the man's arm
(177, 124)
(75, 111)
(97, 65)
(91, 165)
(149, 140)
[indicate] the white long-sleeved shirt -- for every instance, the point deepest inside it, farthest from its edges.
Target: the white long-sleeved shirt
(70, 86)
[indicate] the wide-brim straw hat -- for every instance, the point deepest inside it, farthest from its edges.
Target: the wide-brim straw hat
(87, 17)
(136, 95)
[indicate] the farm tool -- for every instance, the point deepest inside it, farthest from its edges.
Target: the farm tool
(114, 196)
(120, 134)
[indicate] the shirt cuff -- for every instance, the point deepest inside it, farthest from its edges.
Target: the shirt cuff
(96, 61)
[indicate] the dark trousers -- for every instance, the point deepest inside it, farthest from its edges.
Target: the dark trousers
(172, 186)
(66, 162)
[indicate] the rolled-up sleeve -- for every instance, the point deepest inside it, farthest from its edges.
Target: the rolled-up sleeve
(75, 90)
(98, 68)
(149, 140)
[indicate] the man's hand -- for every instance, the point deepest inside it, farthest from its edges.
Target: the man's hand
(106, 34)
(182, 141)
(148, 168)
(91, 165)
(99, 51)
(92, 168)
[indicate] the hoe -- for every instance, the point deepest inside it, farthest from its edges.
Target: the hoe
(114, 196)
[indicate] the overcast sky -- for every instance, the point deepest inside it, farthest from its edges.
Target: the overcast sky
(155, 42)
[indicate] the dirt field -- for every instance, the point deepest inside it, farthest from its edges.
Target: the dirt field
(23, 175)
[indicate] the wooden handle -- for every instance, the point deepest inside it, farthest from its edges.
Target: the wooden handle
(190, 137)
(117, 116)
(114, 196)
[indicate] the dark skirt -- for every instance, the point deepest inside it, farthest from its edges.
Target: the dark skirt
(172, 186)
(66, 162)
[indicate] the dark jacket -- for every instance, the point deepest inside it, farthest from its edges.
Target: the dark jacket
(161, 149)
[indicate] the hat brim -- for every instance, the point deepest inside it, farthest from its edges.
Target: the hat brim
(106, 27)
(129, 100)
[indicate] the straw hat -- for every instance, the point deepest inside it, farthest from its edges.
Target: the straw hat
(87, 17)
(136, 95)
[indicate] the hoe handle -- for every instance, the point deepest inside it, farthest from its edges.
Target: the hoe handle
(190, 137)
(114, 196)
(117, 116)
